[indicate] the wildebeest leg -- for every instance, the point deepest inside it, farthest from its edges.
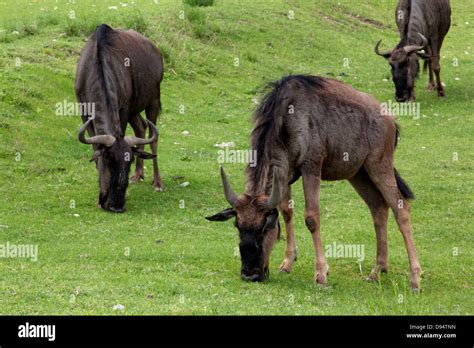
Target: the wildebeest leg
(311, 186)
(379, 210)
(437, 70)
(152, 115)
(431, 84)
(382, 174)
(139, 128)
(290, 249)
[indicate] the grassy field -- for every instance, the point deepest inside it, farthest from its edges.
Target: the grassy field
(162, 258)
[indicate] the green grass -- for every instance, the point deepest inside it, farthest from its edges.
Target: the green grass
(84, 266)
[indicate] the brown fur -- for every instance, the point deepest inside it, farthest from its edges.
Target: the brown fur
(120, 72)
(330, 119)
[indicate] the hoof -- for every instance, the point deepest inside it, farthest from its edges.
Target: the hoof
(430, 87)
(374, 275)
(137, 178)
(441, 94)
(158, 185)
(321, 279)
(415, 281)
(286, 266)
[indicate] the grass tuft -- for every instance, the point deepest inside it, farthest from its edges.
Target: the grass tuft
(199, 3)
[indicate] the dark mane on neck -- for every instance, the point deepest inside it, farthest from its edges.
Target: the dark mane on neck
(266, 136)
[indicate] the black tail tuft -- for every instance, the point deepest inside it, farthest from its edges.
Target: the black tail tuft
(102, 31)
(403, 187)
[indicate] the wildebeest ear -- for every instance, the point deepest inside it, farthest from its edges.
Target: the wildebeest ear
(224, 215)
(142, 154)
(272, 220)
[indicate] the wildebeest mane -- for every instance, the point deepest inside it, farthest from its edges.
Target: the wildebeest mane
(103, 35)
(266, 132)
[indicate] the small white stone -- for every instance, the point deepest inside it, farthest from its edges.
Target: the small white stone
(185, 133)
(224, 144)
(457, 78)
(113, 8)
(76, 215)
(118, 307)
(184, 184)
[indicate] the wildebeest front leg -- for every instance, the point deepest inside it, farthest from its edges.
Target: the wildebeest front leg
(152, 115)
(286, 209)
(379, 210)
(431, 84)
(437, 70)
(139, 128)
(311, 187)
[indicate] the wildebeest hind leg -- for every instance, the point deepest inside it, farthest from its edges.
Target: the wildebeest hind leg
(379, 210)
(139, 128)
(290, 249)
(152, 115)
(382, 174)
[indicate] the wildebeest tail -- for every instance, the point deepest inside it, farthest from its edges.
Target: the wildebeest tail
(401, 184)
(403, 187)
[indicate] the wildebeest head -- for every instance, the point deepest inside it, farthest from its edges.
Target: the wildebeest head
(256, 218)
(405, 67)
(114, 157)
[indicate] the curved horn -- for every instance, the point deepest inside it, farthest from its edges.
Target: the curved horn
(385, 54)
(414, 48)
(132, 141)
(104, 139)
(228, 192)
(275, 196)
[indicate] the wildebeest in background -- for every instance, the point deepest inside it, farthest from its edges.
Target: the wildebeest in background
(319, 129)
(120, 72)
(422, 25)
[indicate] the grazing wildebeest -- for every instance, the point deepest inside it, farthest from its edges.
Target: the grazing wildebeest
(119, 72)
(319, 129)
(422, 25)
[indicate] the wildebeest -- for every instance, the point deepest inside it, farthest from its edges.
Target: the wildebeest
(422, 25)
(318, 129)
(120, 73)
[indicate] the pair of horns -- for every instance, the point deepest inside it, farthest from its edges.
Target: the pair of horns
(108, 140)
(408, 49)
(231, 197)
